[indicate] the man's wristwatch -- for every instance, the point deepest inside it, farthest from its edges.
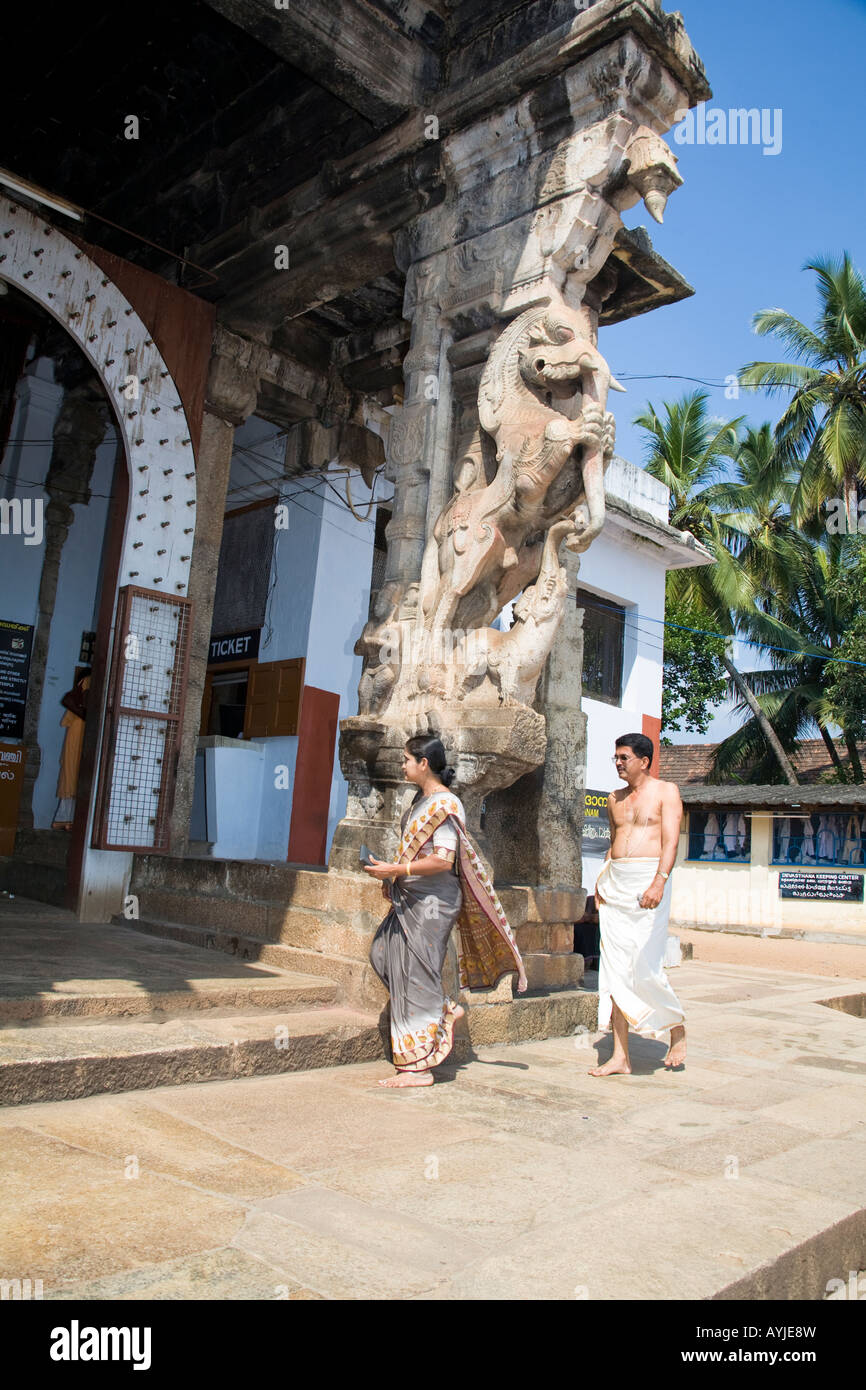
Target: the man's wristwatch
(661, 873)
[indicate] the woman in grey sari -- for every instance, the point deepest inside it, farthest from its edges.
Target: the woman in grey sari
(437, 881)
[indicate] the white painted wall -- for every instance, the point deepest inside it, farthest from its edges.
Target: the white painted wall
(24, 466)
(317, 607)
(631, 573)
(341, 603)
(74, 613)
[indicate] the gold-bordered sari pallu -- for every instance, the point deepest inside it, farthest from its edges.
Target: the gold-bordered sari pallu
(408, 951)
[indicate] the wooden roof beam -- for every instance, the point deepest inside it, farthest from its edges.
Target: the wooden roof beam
(346, 46)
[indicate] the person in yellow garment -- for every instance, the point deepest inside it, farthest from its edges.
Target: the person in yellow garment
(437, 882)
(634, 896)
(75, 713)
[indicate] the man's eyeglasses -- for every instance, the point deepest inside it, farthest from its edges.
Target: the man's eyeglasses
(622, 758)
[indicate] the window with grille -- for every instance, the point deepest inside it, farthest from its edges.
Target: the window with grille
(825, 839)
(721, 837)
(146, 696)
(603, 644)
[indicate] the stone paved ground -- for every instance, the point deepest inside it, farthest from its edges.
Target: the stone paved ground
(516, 1175)
(838, 959)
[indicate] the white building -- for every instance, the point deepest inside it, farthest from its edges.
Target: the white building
(291, 601)
(622, 583)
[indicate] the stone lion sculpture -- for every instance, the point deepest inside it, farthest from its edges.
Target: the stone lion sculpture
(486, 544)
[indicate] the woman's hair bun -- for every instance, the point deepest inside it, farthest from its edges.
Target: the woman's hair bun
(446, 776)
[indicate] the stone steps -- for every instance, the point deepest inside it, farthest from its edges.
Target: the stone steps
(64, 1061)
(95, 1002)
(352, 977)
(37, 869)
(338, 953)
(322, 923)
(309, 928)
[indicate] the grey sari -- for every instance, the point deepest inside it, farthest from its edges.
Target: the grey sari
(408, 953)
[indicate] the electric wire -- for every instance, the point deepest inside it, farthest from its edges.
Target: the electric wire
(664, 622)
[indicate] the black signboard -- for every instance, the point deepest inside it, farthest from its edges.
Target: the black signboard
(16, 640)
(821, 887)
(234, 646)
(595, 838)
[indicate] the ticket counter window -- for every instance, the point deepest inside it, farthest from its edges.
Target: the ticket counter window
(228, 704)
(259, 700)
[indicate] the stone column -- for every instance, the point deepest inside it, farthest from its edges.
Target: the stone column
(419, 436)
(509, 268)
(231, 397)
(78, 432)
(534, 827)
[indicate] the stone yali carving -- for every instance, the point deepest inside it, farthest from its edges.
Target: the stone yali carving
(482, 544)
(542, 400)
(514, 660)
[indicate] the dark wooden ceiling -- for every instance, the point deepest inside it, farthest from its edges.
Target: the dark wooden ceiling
(224, 124)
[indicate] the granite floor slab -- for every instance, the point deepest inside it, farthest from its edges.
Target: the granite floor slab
(516, 1175)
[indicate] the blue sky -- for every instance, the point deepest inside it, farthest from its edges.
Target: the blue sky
(744, 223)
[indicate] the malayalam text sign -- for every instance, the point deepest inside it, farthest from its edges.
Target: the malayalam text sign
(821, 887)
(595, 837)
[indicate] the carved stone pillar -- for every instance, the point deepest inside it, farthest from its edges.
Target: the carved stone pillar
(499, 452)
(534, 826)
(419, 437)
(231, 398)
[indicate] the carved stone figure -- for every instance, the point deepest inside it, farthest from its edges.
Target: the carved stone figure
(514, 659)
(482, 548)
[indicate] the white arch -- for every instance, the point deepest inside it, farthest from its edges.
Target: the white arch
(160, 525)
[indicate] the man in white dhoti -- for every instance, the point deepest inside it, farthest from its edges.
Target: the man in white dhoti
(634, 899)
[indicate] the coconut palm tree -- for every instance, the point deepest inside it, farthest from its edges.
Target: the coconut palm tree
(800, 625)
(822, 432)
(687, 451)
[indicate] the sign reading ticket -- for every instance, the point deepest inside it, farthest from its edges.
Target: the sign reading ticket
(818, 887)
(595, 838)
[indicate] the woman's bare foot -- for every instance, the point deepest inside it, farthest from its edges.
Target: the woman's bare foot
(409, 1078)
(677, 1051)
(617, 1066)
(459, 1011)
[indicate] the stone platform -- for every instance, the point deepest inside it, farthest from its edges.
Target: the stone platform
(88, 1009)
(321, 922)
(515, 1176)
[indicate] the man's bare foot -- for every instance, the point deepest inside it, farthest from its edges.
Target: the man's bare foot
(409, 1078)
(617, 1066)
(676, 1054)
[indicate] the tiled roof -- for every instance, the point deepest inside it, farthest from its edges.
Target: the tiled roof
(687, 763)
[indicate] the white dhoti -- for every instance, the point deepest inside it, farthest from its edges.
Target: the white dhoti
(633, 940)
